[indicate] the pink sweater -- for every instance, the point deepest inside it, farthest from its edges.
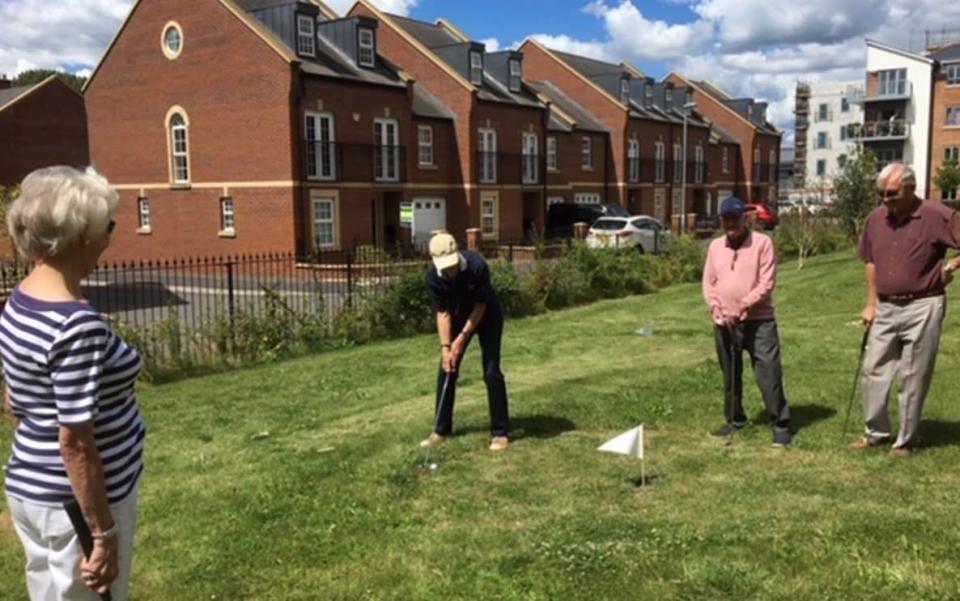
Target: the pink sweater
(741, 280)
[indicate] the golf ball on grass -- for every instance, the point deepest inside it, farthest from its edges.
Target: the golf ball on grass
(433, 466)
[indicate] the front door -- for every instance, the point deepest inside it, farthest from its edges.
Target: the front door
(660, 205)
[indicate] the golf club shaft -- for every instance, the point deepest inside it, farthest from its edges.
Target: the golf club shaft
(436, 419)
(856, 378)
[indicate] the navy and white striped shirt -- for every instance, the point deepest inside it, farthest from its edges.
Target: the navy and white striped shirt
(64, 366)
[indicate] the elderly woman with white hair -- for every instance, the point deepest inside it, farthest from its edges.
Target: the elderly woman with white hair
(904, 246)
(70, 390)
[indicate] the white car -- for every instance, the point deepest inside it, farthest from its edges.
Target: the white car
(643, 233)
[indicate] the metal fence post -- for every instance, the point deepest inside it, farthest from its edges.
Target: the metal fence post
(349, 279)
(231, 301)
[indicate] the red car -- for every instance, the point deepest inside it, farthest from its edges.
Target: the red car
(763, 214)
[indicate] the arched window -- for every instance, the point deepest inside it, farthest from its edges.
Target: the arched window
(178, 126)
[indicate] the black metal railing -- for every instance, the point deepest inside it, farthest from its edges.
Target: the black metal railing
(347, 162)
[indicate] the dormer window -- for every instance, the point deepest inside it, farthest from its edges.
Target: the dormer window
(668, 98)
(476, 68)
(624, 91)
(688, 98)
(366, 54)
(648, 94)
(306, 36)
(514, 75)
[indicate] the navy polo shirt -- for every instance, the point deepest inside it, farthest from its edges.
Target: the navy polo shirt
(459, 294)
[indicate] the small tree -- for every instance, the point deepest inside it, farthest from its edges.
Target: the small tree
(798, 231)
(7, 196)
(948, 176)
(855, 191)
(35, 76)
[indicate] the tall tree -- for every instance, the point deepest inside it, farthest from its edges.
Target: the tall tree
(948, 176)
(34, 76)
(855, 191)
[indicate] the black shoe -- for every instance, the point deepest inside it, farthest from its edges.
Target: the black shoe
(725, 430)
(782, 438)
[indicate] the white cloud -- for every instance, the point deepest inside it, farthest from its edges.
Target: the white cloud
(396, 7)
(632, 34)
(491, 44)
(565, 43)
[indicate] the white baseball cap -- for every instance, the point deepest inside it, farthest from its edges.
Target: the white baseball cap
(443, 251)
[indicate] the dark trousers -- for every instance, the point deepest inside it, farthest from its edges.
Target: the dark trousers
(762, 343)
(490, 334)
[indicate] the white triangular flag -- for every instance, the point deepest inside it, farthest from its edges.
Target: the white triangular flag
(629, 443)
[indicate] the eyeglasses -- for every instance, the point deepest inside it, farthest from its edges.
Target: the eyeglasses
(111, 226)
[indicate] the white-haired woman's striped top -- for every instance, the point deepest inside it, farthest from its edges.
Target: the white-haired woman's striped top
(64, 366)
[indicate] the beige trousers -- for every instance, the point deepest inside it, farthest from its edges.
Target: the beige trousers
(902, 344)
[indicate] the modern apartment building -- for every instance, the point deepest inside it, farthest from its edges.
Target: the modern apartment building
(827, 121)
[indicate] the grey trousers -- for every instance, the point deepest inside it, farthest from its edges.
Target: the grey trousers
(762, 342)
(903, 343)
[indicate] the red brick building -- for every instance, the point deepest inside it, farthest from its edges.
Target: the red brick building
(500, 124)
(261, 126)
(945, 120)
(745, 121)
(645, 165)
(40, 125)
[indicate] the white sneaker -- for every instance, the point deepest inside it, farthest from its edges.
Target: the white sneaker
(432, 440)
(499, 443)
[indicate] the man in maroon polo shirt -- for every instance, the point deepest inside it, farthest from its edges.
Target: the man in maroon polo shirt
(904, 245)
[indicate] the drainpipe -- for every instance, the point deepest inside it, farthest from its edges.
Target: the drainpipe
(546, 174)
(299, 170)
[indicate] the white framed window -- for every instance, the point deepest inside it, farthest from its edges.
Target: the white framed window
(306, 36)
(823, 112)
(892, 82)
(171, 40)
(822, 140)
(660, 206)
(531, 156)
(698, 169)
(725, 159)
(476, 68)
(625, 91)
(953, 75)
(951, 153)
(488, 216)
(648, 94)
(555, 200)
(676, 206)
(324, 222)
(821, 168)
(586, 198)
(321, 145)
(948, 194)
(668, 97)
(487, 159)
(425, 146)
(366, 55)
(386, 139)
(228, 222)
(772, 167)
(143, 213)
(660, 161)
(179, 149)
(756, 164)
(953, 115)
(551, 153)
(633, 160)
(677, 163)
(586, 152)
(515, 75)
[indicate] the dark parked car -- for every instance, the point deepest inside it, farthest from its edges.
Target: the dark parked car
(562, 216)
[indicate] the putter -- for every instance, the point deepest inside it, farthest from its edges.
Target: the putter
(436, 422)
(856, 378)
(731, 373)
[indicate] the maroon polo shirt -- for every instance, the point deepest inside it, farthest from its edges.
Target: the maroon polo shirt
(909, 254)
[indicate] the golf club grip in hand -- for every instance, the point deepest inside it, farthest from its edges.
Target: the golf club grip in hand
(83, 534)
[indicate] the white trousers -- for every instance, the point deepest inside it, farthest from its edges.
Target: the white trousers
(54, 554)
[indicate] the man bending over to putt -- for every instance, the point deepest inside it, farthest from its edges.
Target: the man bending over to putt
(466, 304)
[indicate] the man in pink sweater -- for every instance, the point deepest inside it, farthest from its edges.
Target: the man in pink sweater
(738, 281)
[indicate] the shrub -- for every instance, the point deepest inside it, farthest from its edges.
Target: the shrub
(811, 235)
(683, 260)
(403, 308)
(517, 291)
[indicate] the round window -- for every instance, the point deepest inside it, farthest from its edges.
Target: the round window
(172, 40)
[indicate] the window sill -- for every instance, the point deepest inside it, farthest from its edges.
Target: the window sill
(552, 170)
(180, 186)
(428, 167)
(229, 233)
(951, 127)
(144, 231)
(582, 168)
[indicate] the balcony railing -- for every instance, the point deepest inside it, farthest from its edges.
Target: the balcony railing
(882, 130)
(508, 169)
(342, 162)
(900, 91)
(646, 170)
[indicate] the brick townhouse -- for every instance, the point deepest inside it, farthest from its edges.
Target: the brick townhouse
(644, 170)
(40, 125)
(239, 126)
(945, 120)
(500, 123)
(745, 120)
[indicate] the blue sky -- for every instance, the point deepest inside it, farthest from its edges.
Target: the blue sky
(757, 48)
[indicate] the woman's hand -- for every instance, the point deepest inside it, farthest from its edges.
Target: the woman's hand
(103, 566)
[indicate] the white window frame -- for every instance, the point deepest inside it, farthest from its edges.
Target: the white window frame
(425, 153)
(530, 158)
(487, 165)
(954, 111)
(892, 82)
(586, 153)
(951, 153)
(366, 51)
(552, 156)
(143, 213)
(330, 221)
(476, 67)
(678, 160)
(586, 198)
(171, 53)
(953, 74)
(306, 40)
(756, 165)
(633, 160)
(772, 167)
(698, 168)
(725, 159)
(320, 149)
(516, 75)
(660, 162)
(821, 172)
(625, 91)
(180, 159)
(823, 112)
(228, 215)
(489, 215)
(387, 156)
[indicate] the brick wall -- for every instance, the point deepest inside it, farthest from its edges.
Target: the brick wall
(941, 136)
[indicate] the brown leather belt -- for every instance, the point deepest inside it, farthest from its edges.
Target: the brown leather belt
(903, 299)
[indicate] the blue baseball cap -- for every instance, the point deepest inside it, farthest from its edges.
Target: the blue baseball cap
(732, 206)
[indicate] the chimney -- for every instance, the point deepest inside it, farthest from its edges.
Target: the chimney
(5, 83)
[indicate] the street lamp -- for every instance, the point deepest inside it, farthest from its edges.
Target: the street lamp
(683, 186)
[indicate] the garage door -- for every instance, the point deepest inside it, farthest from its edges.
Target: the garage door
(429, 214)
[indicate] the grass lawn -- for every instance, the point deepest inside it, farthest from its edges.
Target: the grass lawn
(301, 480)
